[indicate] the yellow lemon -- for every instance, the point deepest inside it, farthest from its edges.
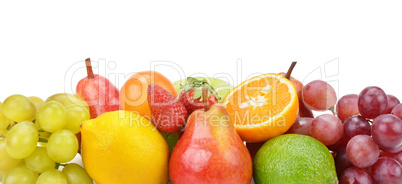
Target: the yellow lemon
(123, 147)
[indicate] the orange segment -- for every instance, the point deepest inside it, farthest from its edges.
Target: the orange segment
(262, 107)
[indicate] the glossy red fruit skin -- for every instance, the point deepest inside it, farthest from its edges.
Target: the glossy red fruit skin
(342, 142)
(365, 147)
(397, 111)
(387, 171)
(396, 156)
(100, 94)
(356, 125)
(392, 102)
(322, 94)
(372, 102)
(387, 133)
(326, 121)
(207, 154)
(167, 113)
(304, 111)
(253, 148)
(342, 161)
(349, 176)
(347, 106)
(302, 125)
(191, 104)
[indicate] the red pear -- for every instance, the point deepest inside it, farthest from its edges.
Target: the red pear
(210, 151)
(100, 94)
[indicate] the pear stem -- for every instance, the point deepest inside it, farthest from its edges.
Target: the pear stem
(89, 69)
(290, 69)
(205, 97)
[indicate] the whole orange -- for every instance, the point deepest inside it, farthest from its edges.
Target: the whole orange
(133, 94)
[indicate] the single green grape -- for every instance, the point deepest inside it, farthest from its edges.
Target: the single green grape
(52, 117)
(52, 176)
(2, 174)
(68, 99)
(3, 132)
(20, 175)
(62, 146)
(37, 101)
(21, 140)
(4, 121)
(6, 162)
(39, 161)
(19, 108)
(75, 174)
(76, 114)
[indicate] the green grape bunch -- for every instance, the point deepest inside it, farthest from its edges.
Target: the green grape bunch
(38, 140)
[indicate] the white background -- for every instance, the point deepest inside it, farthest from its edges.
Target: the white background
(42, 41)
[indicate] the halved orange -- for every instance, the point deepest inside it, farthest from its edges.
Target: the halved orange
(262, 107)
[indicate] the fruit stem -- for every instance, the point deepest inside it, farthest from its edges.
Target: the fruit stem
(332, 109)
(58, 165)
(89, 69)
(42, 140)
(11, 126)
(290, 69)
(205, 97)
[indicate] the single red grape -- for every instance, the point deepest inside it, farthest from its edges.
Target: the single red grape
(387, 132)
(356, 125)
(319, 95)
(396, 156)
(342, 161)
(342, 142)
(397, 111)
(354, 175)
(362, 151)
(396, 150)
(347, 106)
(304, 111)
(392, 102)
(302, 126)
(372, 102)
(387, 171)
(326, 128)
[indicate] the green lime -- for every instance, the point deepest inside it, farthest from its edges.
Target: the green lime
(221, 87)
(294, 158)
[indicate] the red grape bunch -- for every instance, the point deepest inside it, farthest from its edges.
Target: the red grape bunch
(364, 132)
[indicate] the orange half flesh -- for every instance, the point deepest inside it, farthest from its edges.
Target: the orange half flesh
(262, 107)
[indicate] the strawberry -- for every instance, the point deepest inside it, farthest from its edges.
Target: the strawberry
(191, 94)
(168, 114)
